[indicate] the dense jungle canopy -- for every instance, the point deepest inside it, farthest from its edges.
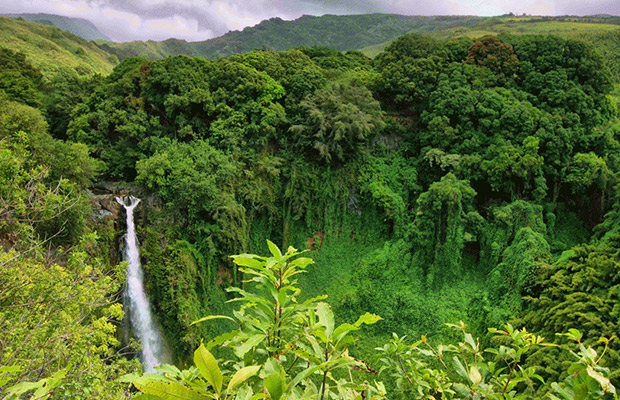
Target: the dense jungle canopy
(445, 180)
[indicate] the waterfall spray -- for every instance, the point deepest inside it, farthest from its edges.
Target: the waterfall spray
(143, 324)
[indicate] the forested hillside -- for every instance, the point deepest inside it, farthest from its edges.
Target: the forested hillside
(445, 180)
(371, 33)
(341, 32)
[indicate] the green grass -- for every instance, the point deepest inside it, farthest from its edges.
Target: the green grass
(53, 50)
(79, 27)
(598, 30)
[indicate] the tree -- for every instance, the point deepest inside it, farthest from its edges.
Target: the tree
(442, 224)
(490, 52)
(338, 122)
(19, 80)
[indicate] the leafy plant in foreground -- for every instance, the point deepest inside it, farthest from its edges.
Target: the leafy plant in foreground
(284, 349)
(587, 379)
(467, 371)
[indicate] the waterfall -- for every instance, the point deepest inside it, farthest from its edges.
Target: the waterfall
(143, 324)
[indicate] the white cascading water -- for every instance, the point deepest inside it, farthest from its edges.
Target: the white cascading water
(144, 327)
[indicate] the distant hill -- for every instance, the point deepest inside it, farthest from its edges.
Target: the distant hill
(54, 50)
(50, 48)
(79, 27)
(601, 30)
(341, 32)
(373, 32)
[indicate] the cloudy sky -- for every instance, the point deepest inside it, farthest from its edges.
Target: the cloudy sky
(193, 20)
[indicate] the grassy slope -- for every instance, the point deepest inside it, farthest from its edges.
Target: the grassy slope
(600, 30)
(149, 49)
(53, 50)
(79, 27)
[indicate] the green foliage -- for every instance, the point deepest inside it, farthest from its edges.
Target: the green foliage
(340, 32)
(516, 274)
(495, 372)
(53, 51)
(444, 222)
(482, 161)
(42, 177)
(19, 81)
(142, 105)
(62, 318)
(391, 181)
(409, 71)
(57, 310)
(579, 290)
(588, 379)
(338, 122)
(492, 53)
(295, 349)
(79, 27)
(65, 91)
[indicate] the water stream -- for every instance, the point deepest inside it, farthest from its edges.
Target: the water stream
(143, 325)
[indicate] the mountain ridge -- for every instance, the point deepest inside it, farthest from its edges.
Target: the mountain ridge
(78, 26)
(354, 32)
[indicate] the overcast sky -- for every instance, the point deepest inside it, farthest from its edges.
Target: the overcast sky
(193, 20)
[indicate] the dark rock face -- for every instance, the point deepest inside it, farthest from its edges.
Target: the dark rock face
(104, 204)
(105, 208)
(108, 216)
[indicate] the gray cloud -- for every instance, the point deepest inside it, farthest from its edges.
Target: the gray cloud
(193, 20)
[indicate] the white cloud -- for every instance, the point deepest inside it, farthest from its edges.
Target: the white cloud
(117, 23)
(233, 16)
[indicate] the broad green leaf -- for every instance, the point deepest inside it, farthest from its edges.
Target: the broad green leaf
(343, 330)
(469, 339)
(460, 369)
(461, 390)
(275, 385)
(218, 340)
(167, 390)
(129, 378)
(144, 396)
(7, 370)
(24, 387)
(210, 317)
(309, 371)
(168, 369)
(310, 302)
(604, 382)
(251, 342)
(10, 369)
(367, 319)
(301, 262)
(242, 375)
(248, 261)
(474, 376)
(326, 318)
(55, 379)
(345, 340)
(281, 297)
(207, 364)
(575, 334)
(566, 394)
(275, 251)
